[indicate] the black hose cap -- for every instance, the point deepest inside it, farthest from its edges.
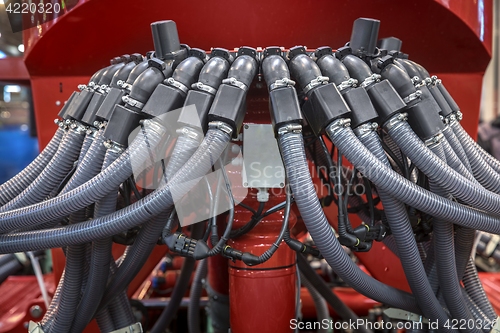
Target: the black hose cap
(323, 51)
(272, 50)
(441, 101)
(451, 102)
(223, 53)
(165, 38)
(385, 99)
(361, 106)
(198, 53)
(324, 105)
(390, 44)
(122, 122)
(200, 100)
(64, 110)
(343, 52)
(90, 114)
(364, 36)
(284, 107)
(136, 57)
(163, 99)
(113, 97)
(424, 119)
(229, 106)
(77, 109)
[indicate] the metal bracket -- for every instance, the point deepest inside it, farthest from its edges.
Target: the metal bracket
(176, 84)
(394, 313)
(204, 87)
(318, 81)
(35, 327)
(134, 328)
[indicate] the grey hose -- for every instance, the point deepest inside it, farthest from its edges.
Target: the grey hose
(184, 148)
(322, 312)
(195, 295)
(292, 150)
(475, 290)
(52, 174)
(445, 258)
(400, 224)
(456, 146)
(104, 321)
(481, 170)
(89, 166)
(198, 165)
(119, 308)
(404, 190)
(14, 186)
(141, 149)
(438, 171)
(100, 258)
(466, 140)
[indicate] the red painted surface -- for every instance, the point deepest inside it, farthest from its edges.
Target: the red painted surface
(448, 37)
(262, 298)
(19, 294)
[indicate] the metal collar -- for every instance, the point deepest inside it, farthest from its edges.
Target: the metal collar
(284, 82)
(412, 96)
(396, 120)
(176, 84)
(132, 102)
(365, 129)
(233, 82)
(370, 80)
(434, 140)
(318, 81)
(222, 126)
(348, 83)
(337, 125)
(290, 128)
(204, 87)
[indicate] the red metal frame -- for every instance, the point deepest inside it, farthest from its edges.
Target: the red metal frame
(452, 38)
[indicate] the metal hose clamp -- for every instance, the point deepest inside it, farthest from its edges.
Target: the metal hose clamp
(113, 146)
(78, 127)
(204, 87)
(370, 80)
(222, 126)
(284, 82)
(318, 81)
(395, 121)
(233, 82)
(365, 129)
(337, 126)
(434, 140)
(124, 85)
(290, 128)
(412, 96)
(348, 83)
(176, 84)
(132, 102)
(190, 132)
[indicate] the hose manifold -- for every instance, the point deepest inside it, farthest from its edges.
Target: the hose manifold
(204, 87)
(284, 82)
(176, 84)
(318, 81)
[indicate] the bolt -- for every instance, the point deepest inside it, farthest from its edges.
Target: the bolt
(36, 311)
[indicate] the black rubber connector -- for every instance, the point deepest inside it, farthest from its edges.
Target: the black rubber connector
(364, 36)
(361, 106)
(64, 110)
(386, 100)
(122, 122)
(113, 97)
